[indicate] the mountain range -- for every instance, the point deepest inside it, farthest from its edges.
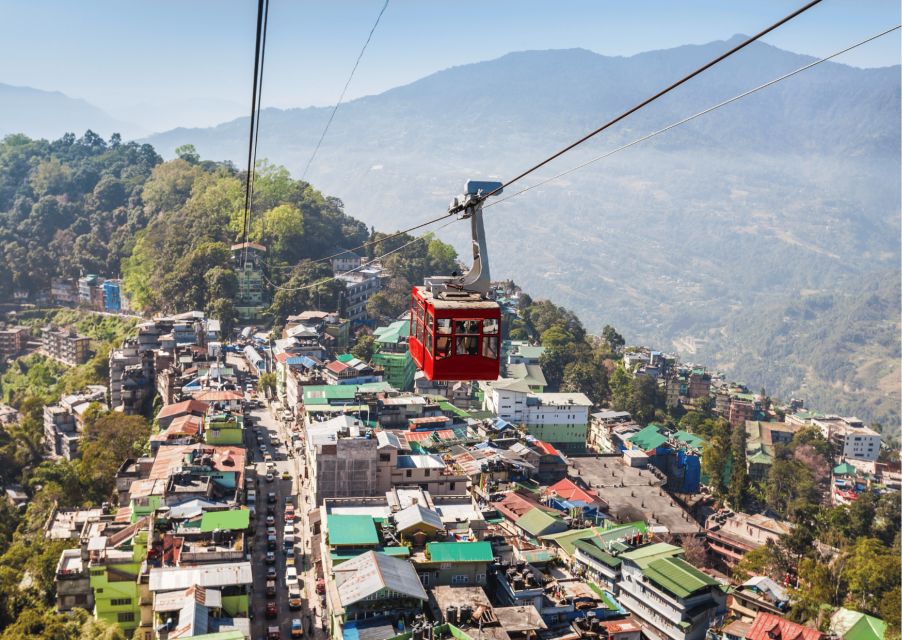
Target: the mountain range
(699, 238)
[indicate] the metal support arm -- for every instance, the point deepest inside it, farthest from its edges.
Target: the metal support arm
(469, 205)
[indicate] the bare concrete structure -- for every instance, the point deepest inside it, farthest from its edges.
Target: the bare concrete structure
(633, 494)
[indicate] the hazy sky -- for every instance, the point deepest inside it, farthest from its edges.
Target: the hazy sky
(160, 59)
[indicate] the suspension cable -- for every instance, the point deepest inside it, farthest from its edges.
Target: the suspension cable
(659, 94)
(343, 91)
(695, 115)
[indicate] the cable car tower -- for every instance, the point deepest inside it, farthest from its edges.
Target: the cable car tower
(455, 330)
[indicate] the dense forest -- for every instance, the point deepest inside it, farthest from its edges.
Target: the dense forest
(86, 205)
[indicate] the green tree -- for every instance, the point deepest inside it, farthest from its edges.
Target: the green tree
(873, 570)
(588, 377)
(223, 309)
(643, 399)
(106, 444)
(612, 340)
(715, 455)
(267, 383)
(790, 489)
(364, 347)
(738, 471)
(188, 153)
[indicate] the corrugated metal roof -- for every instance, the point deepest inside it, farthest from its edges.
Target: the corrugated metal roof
(235, 519)
(417, 515)
(538, 523)
(460, 551)
(369, 573)
(212, 575)
(351, 530)
(677, 576)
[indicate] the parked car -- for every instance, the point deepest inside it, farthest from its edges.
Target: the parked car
(271, 543)
(291, 577)
(294, 597)
(271, 573)
(271, 497)
(271, 587)
(273, 633)
(297, 629)
(269, 476)
(272, 609)
(270, 557)
(286, 475)
(289, 530)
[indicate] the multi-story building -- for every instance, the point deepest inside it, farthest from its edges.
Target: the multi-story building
(732, 535)
(13, 341)
(699, 385)
(64, 422)
(601, 425)
(670, 597)
(248, 258)
(63, 292)
(112, 296)
(131, 376)
(90, 292)
(561, 419)
(849, 437)
(346, 261)
(392, 354)
(65, 345)
(360, 286)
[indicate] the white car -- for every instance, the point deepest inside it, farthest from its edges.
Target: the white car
(291, 577)
(289, 529)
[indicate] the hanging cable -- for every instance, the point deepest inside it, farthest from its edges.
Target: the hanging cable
(343, 91)
(363, 265)
(261, 5)
(578, 167)
(695, 115)
(659, 94)
(253, 171)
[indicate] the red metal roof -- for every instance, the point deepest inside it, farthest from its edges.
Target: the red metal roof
(547, 449)
(181, 408)
(569, 490)
(767, 626)
(217, 396)
(515, 505)
(336, 367)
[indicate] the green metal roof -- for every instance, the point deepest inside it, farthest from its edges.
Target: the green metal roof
(649, 553)
(844, 469)
(225, 520)
(689, 438)
(648, 438)
(450, 408)
(609, 603)
(537, 522)
(854, 625)
(593, 551)
(345, 357)
(328, 393)
(677, 576)
(460, 551)
(393, 333)
(349, 530)
(566, 539)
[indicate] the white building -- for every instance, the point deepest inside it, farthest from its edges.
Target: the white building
(559, 418)
(671, 599)
(849, 437)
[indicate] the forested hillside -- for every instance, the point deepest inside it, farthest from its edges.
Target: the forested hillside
(86, 205)
(69, 206)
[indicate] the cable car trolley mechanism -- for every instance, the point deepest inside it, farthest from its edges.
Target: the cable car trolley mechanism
(455, 330)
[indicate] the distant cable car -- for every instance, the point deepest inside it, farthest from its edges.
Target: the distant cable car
(455, 330)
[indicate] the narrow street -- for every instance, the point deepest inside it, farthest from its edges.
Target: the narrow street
(262, 429)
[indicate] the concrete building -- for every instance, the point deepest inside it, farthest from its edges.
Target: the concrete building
(13, 341)
(732, 535)
(849, 437)
(561, 419)
(671, 598)
(131, 376)
(65, 345)
(601, 425)
(360, 286)
(392, 355)
(248, 259)
(453, 563)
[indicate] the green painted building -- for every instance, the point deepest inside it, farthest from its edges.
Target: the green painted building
(392, 355)
(224, 428)
(113, 574)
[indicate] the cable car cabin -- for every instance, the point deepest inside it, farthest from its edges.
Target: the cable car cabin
(455, 335)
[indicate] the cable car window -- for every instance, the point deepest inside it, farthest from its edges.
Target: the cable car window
(443, 325)
(443, 345)
(490, 347)
(429, 339)
(466, 326)
(429, 320)
(490, 326)
(467, 345)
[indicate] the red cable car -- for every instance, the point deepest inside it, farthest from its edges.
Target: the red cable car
(455, 330)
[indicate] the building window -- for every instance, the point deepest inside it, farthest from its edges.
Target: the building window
(119, 602)
(408, 473)
(127, 616)
(460, 579)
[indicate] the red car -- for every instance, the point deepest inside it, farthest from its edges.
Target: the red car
(272, 609)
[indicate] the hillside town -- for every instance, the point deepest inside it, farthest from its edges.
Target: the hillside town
(293, 486)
